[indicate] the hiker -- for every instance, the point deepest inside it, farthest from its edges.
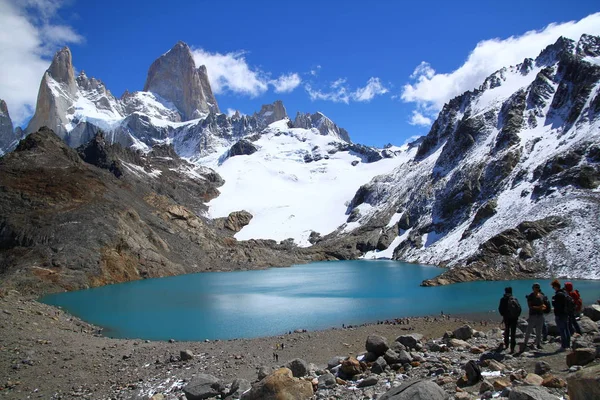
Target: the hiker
(510, 309)
(573, 324)
(561, 315)
(535, 302)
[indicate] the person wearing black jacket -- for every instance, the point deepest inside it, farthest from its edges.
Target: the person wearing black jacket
(510, 317)
(535, 302)
(559, 302)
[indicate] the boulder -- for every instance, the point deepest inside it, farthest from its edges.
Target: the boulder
(542, 367)
(281, 384)
(242, 148)
(334, 362)
(238, 386)
(391, 357)
(587, 325)
(416, 390)
(592, 312)
(203, 386)
(501, 383)
(486, 386)
(494, 365)
(298, 367)
(457, 343)
(237, 220)
(463, 333)
(350, 367)
(533, 380)
(404, 357)
(584, 384)
(410, 341)
(530, 393)
(554, 382)
(186, 355)
(379, 366)
(376, 344)
(369, 381)
(326, 381)
(581, 356)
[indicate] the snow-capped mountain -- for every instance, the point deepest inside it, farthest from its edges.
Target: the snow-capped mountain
(176, 106)
(506, 182)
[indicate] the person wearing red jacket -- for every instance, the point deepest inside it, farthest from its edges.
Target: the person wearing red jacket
(573, 324)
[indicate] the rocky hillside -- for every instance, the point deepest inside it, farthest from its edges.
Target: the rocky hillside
(103, 214)
(505, 184)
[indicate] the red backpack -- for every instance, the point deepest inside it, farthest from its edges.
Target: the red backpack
(577, 299)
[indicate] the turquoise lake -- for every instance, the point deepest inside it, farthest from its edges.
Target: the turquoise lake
(245, 304)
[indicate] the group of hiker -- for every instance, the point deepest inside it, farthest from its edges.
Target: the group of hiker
(566, 303)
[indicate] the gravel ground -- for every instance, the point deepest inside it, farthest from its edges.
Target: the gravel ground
(46, 353)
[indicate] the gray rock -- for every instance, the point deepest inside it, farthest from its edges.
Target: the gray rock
(530, 393)
(335, 361)
(391, 357)
(324, 125)
(186, 355)
(581, 356)
(463, 333)
(298, 367)
(587, 325)
(585, 383)
(242, 148)
(270, 113)
(202, 386)
(368, 381)
(379, 366)
(404, 357)
(416, 390)
(410, 341)
(592, 312)
(263, 372)
(238, 386)
(542, 367)
(326, 381)
(376, 344)
(486, 386)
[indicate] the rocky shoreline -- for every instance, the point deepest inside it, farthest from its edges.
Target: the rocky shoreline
(46, 353)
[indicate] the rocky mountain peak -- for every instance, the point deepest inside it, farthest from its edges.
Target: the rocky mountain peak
(62, 70)
(562, 47)
(270, 113)
(322, 123)
(6, 128)
(588, 45)
(174, 76)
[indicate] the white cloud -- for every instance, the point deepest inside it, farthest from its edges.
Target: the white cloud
(231, 73)
(286, 83)
(373, 88)
(29, 39)
(430, 89)
(419, 119)
(341, 93)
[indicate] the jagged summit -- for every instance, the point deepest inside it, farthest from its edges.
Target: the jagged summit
(319, 121)
(270, 113)
(7, 135)
(174, 76)
(61, 69)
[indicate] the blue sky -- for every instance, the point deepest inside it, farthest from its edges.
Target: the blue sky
(380, 69)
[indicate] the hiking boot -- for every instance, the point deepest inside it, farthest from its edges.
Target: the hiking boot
(539, 347)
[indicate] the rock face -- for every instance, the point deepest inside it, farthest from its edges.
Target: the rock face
(322, 124)
(57, 93)
(270, 113)
(150, 205)
(481, 196)
(174, 76)
(7, 135)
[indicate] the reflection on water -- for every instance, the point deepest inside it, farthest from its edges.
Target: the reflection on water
(226, 305)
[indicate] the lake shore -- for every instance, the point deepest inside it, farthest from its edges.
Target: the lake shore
(45, 351)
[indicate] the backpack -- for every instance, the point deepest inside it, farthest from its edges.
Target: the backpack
(513, 308)
(473, 371)
(569, 304)
(578, 302)
(547, 304)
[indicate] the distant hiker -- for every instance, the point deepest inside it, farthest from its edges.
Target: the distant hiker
(560, 302)
(510, 310)
(575, 309)
(535, 302)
